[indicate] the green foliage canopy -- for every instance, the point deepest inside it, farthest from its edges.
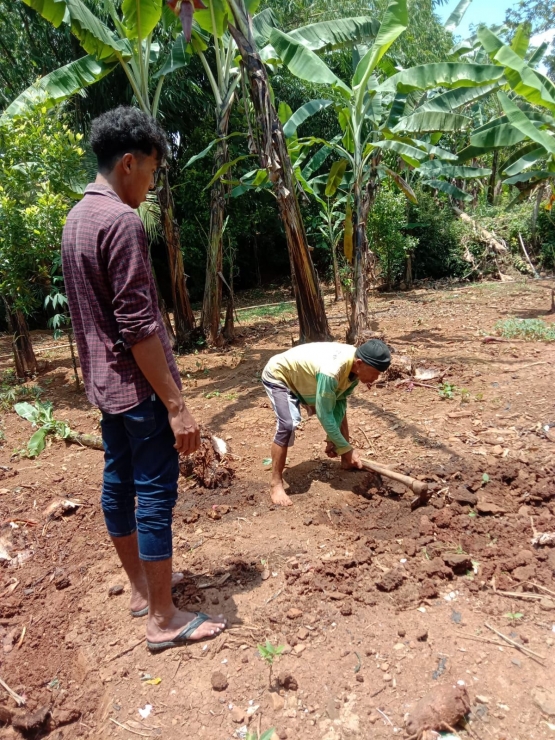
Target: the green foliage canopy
(41, 157)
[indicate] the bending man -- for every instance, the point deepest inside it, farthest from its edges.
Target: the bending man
(320, 376)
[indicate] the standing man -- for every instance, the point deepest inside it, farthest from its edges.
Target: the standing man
(320, 376)
(129, 370)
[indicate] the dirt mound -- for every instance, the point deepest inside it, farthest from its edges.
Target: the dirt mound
(211, 465)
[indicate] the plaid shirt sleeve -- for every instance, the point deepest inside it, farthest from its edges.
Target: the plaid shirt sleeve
(129, 275)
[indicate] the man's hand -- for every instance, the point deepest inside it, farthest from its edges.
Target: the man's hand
(186, 431)
(351, 460)
(330, 449)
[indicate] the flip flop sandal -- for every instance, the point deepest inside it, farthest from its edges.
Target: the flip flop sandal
(139, 612)
(184, 636)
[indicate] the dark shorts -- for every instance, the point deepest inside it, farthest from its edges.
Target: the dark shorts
(287, 408)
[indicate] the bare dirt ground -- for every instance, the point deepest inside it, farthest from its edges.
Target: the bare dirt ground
(376, 604)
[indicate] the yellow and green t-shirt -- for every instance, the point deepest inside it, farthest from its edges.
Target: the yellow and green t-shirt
(318, 374)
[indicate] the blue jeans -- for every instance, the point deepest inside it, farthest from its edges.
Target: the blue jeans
(140, 460)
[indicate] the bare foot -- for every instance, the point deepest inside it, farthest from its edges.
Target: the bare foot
(139, 594)
(279, 497)
(160, 629)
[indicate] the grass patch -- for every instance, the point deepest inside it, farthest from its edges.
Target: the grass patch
(533, 330)
(267, 312)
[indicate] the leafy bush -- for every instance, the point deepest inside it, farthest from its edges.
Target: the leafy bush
(545, 239)
(387, 238)
(40, 159)
(438, 233)
(507, 223)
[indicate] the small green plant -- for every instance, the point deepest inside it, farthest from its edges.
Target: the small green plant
(465, 395)
(230, 396)
(533, 330)
(447, 390)
(9, 394)
(485, 478)
(269, 653)
(40, 415)
(513, 617)
(12, 390)
(255, 734)
(212, 394)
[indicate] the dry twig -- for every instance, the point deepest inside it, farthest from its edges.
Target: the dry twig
(135, 732)
(523, 649)
(127, 650)
(19, 700)
(542, 588)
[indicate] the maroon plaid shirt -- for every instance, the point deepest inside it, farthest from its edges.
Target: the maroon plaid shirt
(112, 298)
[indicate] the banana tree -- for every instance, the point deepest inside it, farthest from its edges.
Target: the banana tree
(223, 83)
(273, 157)
(383, 118)
(526, 130)
(223, 76)
(319, 36)
(132, 45)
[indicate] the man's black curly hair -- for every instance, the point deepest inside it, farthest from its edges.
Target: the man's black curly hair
(125, 130)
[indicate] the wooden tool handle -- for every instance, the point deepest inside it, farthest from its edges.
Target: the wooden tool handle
(419, 487)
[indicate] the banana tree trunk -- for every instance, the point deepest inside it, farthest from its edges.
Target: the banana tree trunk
(183, 314)
(363, 199)
(212, 303)
(493, 178)
(336, 277)
(24, 357)
(274, 157)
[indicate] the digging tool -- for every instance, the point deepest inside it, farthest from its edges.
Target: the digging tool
(416, 486)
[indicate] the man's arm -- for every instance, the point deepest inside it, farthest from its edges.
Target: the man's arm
(151, 359)
(326, 401)
(351, 458)
(344, 428)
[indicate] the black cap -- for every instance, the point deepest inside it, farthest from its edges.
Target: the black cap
(374, 353)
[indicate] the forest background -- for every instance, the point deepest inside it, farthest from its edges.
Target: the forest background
(450, 176)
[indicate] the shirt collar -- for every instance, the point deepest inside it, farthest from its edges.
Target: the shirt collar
(98, 188)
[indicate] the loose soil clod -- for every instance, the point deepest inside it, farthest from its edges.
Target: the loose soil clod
(26, 721)
(219, 681)
(443, 706)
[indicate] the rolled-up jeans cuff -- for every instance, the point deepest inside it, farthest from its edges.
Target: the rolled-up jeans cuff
(155, 558)
(156, 544)
(121, 534)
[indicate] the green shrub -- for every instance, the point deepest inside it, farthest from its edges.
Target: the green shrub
(545, 239)
(438, 233)
(507, 223)
(387, 237)
(40, 159)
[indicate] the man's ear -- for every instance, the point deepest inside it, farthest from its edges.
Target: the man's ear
(126, 163)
